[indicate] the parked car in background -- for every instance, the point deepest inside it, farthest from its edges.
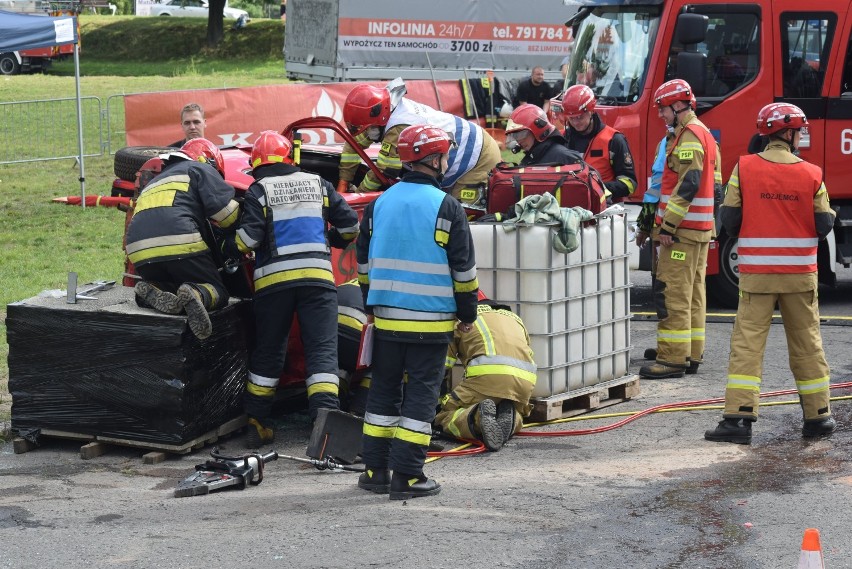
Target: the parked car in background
(194, 9)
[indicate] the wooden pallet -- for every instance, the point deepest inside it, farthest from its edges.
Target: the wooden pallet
(583, 400)
(97, 445)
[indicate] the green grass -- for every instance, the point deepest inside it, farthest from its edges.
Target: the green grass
(43, 241)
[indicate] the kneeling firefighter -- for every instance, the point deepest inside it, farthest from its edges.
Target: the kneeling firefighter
(499, 377)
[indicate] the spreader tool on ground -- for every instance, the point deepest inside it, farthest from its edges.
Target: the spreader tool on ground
(224, 472)
(241, 471)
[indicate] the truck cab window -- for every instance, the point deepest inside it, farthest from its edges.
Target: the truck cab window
(731, 47)
(804, 52)
(846, 85)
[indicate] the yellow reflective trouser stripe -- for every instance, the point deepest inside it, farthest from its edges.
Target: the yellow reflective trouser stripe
(809, 386)
(467, 286)
(452, 424)
(747, 382)
(379, 432)
(674, 335)
(259, 390)
(697, 333)
(214, 296)
(322, 387)
(365, 382)
(166, 251)
(296, 274)
(497, 369)
(414, 325)
(413, 437)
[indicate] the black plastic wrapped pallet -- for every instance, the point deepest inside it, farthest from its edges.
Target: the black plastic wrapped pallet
(112, 369)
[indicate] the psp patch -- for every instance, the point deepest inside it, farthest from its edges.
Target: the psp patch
(467, 195)
(685, 155)
(386, 148)
(679, 255)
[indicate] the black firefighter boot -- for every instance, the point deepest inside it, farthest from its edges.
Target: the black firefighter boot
(405, 486)
(489, 428)
(818, 427)
(375, 480)
(731, 431)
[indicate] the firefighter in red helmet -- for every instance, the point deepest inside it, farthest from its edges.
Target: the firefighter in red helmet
(169, 241)
(683, 227)
(417, 272)
(529, 130)
(603, 147)
(376, 114)
(284, 221)
(777, 206)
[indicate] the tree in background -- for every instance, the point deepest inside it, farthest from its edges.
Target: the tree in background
(215, 25)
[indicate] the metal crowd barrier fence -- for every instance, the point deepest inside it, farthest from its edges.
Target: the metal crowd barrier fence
(33, 131)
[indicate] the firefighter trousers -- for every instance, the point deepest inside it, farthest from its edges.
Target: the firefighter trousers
(680, 299)
(398, 421)
(800, 314)
(199, 272)
(459, 414)
(316, 307)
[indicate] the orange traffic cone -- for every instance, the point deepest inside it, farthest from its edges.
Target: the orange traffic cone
(811, 557)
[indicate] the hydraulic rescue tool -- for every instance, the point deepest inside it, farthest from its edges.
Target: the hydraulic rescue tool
(241, 471)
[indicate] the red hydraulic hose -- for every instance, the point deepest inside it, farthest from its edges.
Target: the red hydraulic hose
(477, 447)
(654, 409)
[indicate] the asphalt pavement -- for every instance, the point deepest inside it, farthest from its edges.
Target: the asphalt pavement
(652, 493)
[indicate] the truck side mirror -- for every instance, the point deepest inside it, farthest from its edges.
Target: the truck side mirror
(691, 28)
(691, 67)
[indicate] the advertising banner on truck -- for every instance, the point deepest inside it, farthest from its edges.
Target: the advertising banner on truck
(351, 39)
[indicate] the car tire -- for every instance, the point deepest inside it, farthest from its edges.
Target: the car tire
(129, 159)
(724, 288)
(9, 64)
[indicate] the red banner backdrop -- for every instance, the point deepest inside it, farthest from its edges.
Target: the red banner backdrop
(237, 116)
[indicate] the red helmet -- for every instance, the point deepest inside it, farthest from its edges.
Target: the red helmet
(671, 91)
(531, 118)
(271, 148)
(366, 106)
(577, 100)
(420, 141)
(776, 117)
(205, 151)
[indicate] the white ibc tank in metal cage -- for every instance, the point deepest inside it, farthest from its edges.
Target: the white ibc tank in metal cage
(576, 306)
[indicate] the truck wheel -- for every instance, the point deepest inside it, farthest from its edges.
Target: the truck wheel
(129, 159)
(724, 287)
(9, 64)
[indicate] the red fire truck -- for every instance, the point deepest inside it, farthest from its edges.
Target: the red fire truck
(738, 55)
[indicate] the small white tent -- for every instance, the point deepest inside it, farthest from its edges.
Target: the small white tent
(27, 31)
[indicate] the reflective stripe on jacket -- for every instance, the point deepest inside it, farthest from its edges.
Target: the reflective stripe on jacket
(778, 233)
(170, 215)
(699, 212)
